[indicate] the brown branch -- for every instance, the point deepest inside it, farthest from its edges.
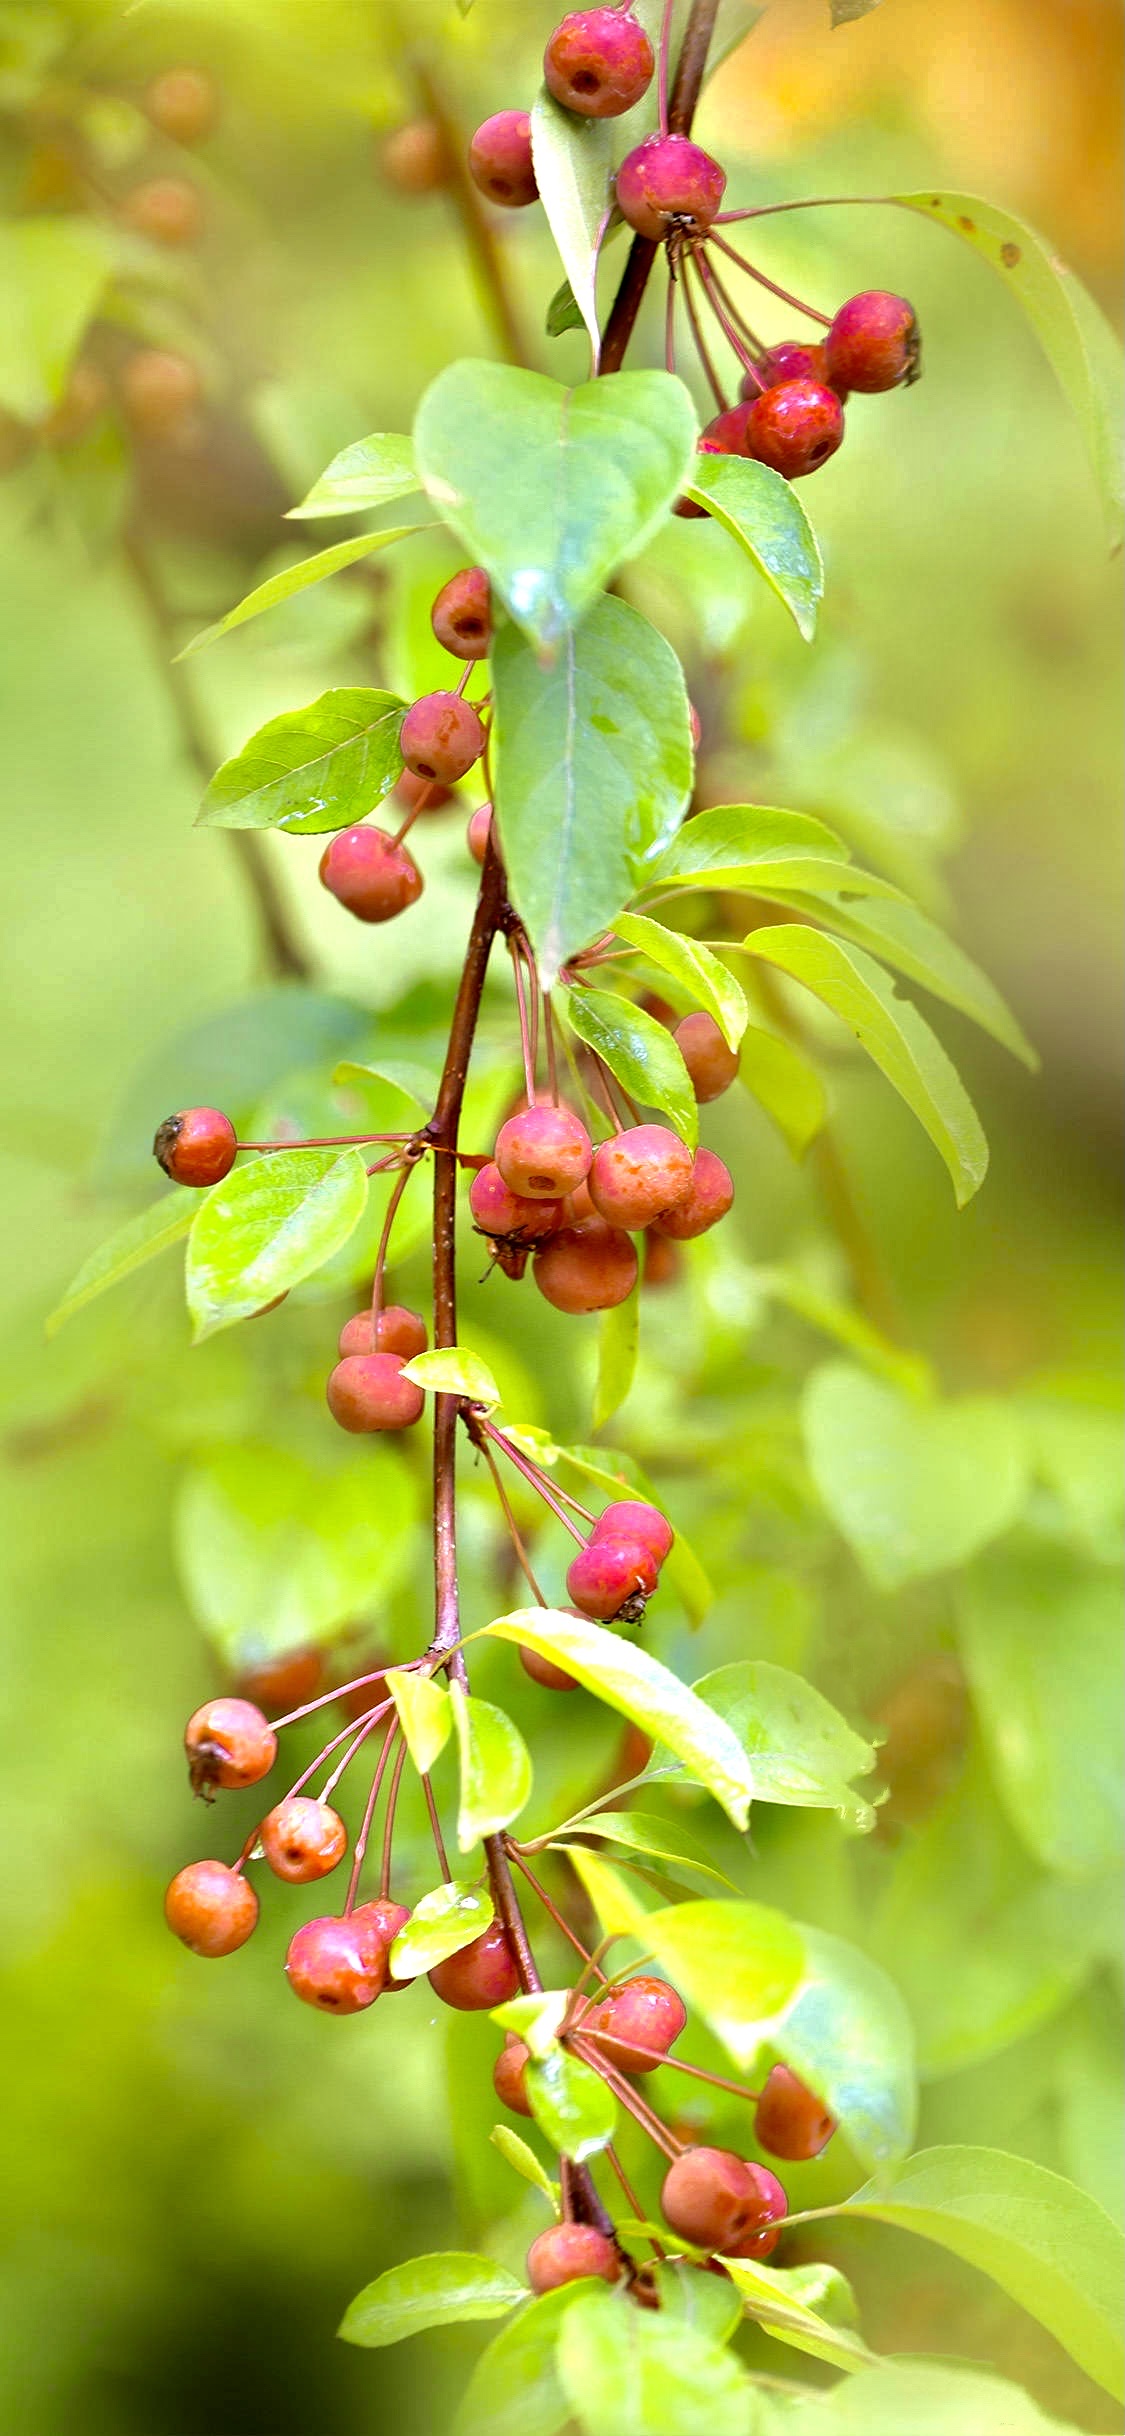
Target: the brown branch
(644, 250)
(284, 955)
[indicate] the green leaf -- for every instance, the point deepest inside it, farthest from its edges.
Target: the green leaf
(640, 1052)
(308, 571)
(629, 1680)
(523, 2161)
(790, 2302)
(661, 1837)
(904, 2398)
(613, 1897)
(1041, 1641)
(696, 2297)
(573, 160)
(448, 2286)
(167, 1221)
(847, 1327)
(424, 1713)
(847, 12)
(848, 2034)
(757, 847)
(893, 1034)
(802, 1753)
(766, 518)
(267, 1226)
(592, 769)
(514, 2388)
(915, 1487)
(551, 488)
(738, 1964)
(571, 2103)
(311, 770)
(452, 1370)
(1076, 1453)
(495, 1768)
(1072, 329)
(274, 1551)
(1048, 2245)
(368, 474)
(53, 272)
(440, 1924)
(537, 2018)
(905, 938)
(786, 1084)
(702, 974)
(635, 2372)
(618, 1342)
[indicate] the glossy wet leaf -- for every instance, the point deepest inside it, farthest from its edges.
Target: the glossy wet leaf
(802, 1753)
(1073, 330)
(573, 160)
(592, 770)
(766, 518)
(1048, 2245)
(441, 1923)
(444, 2288)
(618, 1345)
(551, 488)
(629, 1680)
(425, 1714)
(536, 2017)
(311, 770)
(637, 2372)
(848, 2034)
(366, 475)
(696, 968)
(640, 1053)
(915, 1486)
(495, 1768)
(902, 936)
(758, 847)
(785, 1083)
(268, 1225)
(894, 1035)
(571, 2103)
(453, 1370)
(1040, 1632)
(291, 580)
(166, 1222)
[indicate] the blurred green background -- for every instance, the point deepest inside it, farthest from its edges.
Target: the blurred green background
(200, 2174)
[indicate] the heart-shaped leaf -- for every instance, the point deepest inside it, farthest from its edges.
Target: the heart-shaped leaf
(282, 587)
(629, 1680)
(1072, 329)
(446, 2287)
(766, 517)
(551, 488)
(495, 1768)
(592, 770)
(265, 1227)
(696, 968)
(915, 1487)
(311, 770)
(366, 475)
(894, 1035)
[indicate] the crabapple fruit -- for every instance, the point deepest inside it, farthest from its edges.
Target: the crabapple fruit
(566, 2253)
(498, 1211)
(640, 2016)
(795, 428)
(339, 1965)
(712, 2197)
(789, 2119)
(196, 1146)
(228, 1743)
(543, 1152)
(441, 737)
(711, 1064)
(303, 1839)
(599, 62)
(509, 2075)
(634, 1518)
(873, 343)
(366, 871)
(708, 1199)
(461, 616)
(480, 1976)
(605, 1574)
(638, 1174)
(211, 1908)
(500, 160)
(397, 1331)
(367, 1391)
(586, 1267)
(669, 182)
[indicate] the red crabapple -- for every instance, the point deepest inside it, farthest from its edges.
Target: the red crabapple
(873, 343)
(639, 2016)
(790, 2120)
(711, 1064)
(634, 1518)
(441, 737)
(367, 872)
(566, 2253)
(399, 1331)
(183, 104)
(461, 616)
(716, 2199)
(479, 831)
(793, 359)
(795, 428)
(196, 1146)
(607, 1573)
(303, 1839)
(167, 210)
(480, 1976)
(709, 1198)
(499, 1212)
(543, 1152)
(669, 182)
(500, 160)
(228, 1743)
(509, 2075)
(586, 1267)
(211, 1908)
(339, 1965)
(367, 1391)
(599, 62)
(638, 1174)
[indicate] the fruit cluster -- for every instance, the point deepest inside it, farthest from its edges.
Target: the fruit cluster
(790, 411)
